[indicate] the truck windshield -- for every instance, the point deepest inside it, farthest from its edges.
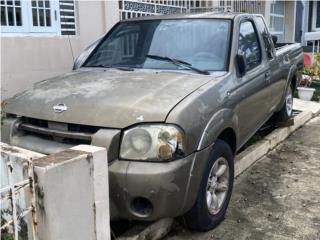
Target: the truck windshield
(202, 43)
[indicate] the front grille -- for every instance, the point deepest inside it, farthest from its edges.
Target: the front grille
(60, 132)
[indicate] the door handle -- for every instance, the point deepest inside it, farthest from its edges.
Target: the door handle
(267, 76)
(286, 59)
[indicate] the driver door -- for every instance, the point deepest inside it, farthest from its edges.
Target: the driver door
(253, 109)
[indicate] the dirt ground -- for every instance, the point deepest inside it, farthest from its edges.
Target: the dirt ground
(277, 198)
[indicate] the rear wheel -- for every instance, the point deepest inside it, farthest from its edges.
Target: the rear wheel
(286, 111)
(215, 190)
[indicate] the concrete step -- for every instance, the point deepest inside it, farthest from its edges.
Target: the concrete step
(302, 105)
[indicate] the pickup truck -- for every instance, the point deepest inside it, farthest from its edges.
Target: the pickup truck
(172, 98)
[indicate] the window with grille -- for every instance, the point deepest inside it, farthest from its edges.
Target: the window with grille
(11, 13)
(38, 16)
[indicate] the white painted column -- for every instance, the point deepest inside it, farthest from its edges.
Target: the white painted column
(72, 194)
(290, 13)
(266, 11)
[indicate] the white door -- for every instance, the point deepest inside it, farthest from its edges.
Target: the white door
(277, 16)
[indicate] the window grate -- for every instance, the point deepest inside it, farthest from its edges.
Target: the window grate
(41, 13)
(67, 17)
(11, 13)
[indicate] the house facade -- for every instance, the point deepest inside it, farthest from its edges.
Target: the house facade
(41, 38)
(307, 27)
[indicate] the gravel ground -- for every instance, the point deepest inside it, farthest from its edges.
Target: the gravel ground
(277, 198)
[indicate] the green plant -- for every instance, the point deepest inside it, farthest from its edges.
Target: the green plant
(311, 73)
(314, 69)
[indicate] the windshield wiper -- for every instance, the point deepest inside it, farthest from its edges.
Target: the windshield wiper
(111, 66)
(179, 63)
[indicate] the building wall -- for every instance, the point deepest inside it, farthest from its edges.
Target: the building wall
(29, 59)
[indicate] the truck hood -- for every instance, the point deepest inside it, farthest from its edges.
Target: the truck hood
(110, 98)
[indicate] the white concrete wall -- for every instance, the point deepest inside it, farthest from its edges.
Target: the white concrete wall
(72, 195)
(29, 59)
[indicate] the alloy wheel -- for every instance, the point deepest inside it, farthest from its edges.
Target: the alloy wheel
(217, 185)
(289, 102)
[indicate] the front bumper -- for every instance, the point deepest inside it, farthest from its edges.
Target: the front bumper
(149, 190)
(138, 190)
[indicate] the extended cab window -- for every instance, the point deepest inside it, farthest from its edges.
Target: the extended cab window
(268, 43)
(249, 45)
(204, 43)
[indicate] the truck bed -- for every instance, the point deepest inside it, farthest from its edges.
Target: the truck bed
(283, 47)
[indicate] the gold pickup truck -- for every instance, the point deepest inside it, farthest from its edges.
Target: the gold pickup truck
(172, 98)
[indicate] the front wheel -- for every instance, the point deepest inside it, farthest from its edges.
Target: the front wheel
(215, 190)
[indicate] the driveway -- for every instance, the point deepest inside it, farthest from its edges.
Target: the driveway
(277, 198)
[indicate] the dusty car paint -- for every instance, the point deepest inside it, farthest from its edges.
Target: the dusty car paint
(144, 96)
(206, 107)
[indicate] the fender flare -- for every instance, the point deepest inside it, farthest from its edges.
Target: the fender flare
(220, 120)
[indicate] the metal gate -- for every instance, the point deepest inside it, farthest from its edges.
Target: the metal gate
(18, 216)
(139, 8)
(135, 8)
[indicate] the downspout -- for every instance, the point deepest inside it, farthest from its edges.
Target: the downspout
(294, 21)
(305, 21)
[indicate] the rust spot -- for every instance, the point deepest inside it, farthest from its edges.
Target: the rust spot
(40, 200)
(35, 176)
(3, 103)
(58, 157)
(31, 184)
(40, 192)
(10, 167)
(89, 157)
(10, 149)
(94, 216)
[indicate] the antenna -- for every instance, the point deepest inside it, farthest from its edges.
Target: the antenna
(71, 48)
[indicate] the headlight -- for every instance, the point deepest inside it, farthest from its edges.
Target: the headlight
(152, 143)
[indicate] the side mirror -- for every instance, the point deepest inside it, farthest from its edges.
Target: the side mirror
(84, 55)
(241, 63)
(274, 39)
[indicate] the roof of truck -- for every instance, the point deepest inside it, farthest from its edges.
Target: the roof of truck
(219, 15)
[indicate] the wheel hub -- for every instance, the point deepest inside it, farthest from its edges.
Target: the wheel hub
(289, 102)
(218, 185)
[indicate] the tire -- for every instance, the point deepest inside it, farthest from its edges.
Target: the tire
(201, 217)
(286, 111)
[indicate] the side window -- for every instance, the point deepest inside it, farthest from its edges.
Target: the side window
(249, 45)
(119, 48)
(268, 43)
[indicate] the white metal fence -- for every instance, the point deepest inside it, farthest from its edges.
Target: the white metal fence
(314, 38)
(139, 8)
(255, 6)
(18, 215)
(135, 8)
